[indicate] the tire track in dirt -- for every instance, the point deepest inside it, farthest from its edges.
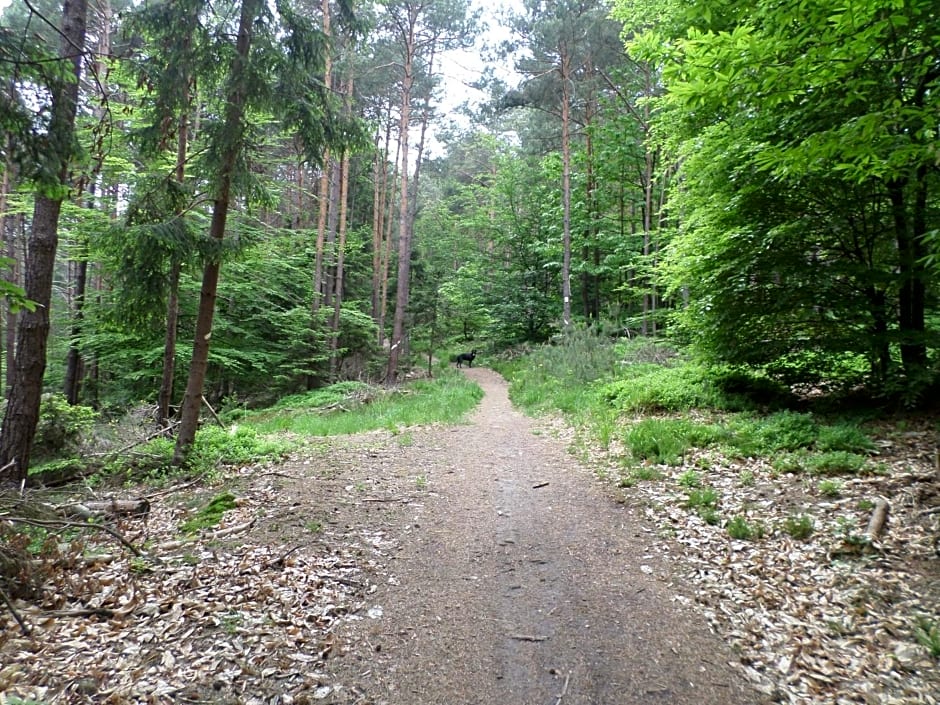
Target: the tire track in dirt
(516, 581)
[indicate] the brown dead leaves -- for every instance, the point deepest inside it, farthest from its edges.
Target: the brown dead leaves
(827, 619)
(205, 619)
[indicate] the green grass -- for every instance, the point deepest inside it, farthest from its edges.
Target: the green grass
(927, 634)
(668, 440)
(445, 399)
(740, 528)
(799, 526)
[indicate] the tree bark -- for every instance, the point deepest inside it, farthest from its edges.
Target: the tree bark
(234, 119)
(322, 188)
(22, 415)
(565, 184)
(404, 232)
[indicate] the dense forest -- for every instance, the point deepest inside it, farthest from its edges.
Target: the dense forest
(231, 202)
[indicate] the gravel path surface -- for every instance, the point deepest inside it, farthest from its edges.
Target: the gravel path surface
(509, 578)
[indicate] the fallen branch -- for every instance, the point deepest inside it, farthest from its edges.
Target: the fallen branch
(221, 533)
(528, 637)
(61, 523)
(212, 411)
(879, 518)
(113, 507)
(564, 689)
(24, 628)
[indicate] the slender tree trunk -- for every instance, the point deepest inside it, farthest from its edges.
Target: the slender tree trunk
(566, 185)
(340, 262)
(323, 189)
(389, 241)
(22, 414)
(912, 291)
(404, 232)
(233, 127)
(4, 221)
(378, 221)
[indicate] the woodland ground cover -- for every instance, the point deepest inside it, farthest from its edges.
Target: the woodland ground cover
(768, 505)
(808, 527)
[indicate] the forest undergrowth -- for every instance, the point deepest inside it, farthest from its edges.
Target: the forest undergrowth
(806, 531)
(808, 539)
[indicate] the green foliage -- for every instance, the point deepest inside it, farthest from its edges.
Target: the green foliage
(444, 399)
(651, 388)
(835, 462)
(211, 514)
(740, 528)
(927, 634)
(238, 445)
(62, 427)
(830, 488)
(799, 526)
(702, 497)
(668, 440)
(844, 436)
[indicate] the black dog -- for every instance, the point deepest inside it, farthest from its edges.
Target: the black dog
(466, 357)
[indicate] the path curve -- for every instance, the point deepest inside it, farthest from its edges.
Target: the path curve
(516, 581)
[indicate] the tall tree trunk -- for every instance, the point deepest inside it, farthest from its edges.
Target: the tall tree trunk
(233, 127)
(4, 221)
(340, 262)
(566, 184)
(909, 231)
(404, 232)
(74, 365)
(380, 175)
(389, 241)
(322, 187)
(73, 359)
(22, 414)
(168, 373)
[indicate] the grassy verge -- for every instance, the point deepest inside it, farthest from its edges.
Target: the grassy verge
(657, 407)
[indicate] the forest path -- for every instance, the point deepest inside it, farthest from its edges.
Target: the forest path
(505, 576)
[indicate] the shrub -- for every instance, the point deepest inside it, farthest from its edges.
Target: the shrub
(62, 427)
(830, 488)
(739, 528)
(703, 497)
(786, 430)
(837, 462)
(845, 437)
(667, 440)
(799, 526)
(650, 388)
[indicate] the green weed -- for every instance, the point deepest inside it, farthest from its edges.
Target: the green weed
(829, 488)
(836, 462)
(690, 479)
(927, 634)
(445, 399)
(799, 526)
(703, 498)
(740, 528)
(668, 440)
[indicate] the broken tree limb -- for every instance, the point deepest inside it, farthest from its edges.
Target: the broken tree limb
(879, 517)
(62, 523)
(24, 628)
(113, 507)
(212, 411)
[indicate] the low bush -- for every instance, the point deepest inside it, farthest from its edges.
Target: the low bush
(668, 440)
(62, 427)
(836, 462)
(740, 528)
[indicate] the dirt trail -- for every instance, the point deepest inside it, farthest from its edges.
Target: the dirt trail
(514, 580)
